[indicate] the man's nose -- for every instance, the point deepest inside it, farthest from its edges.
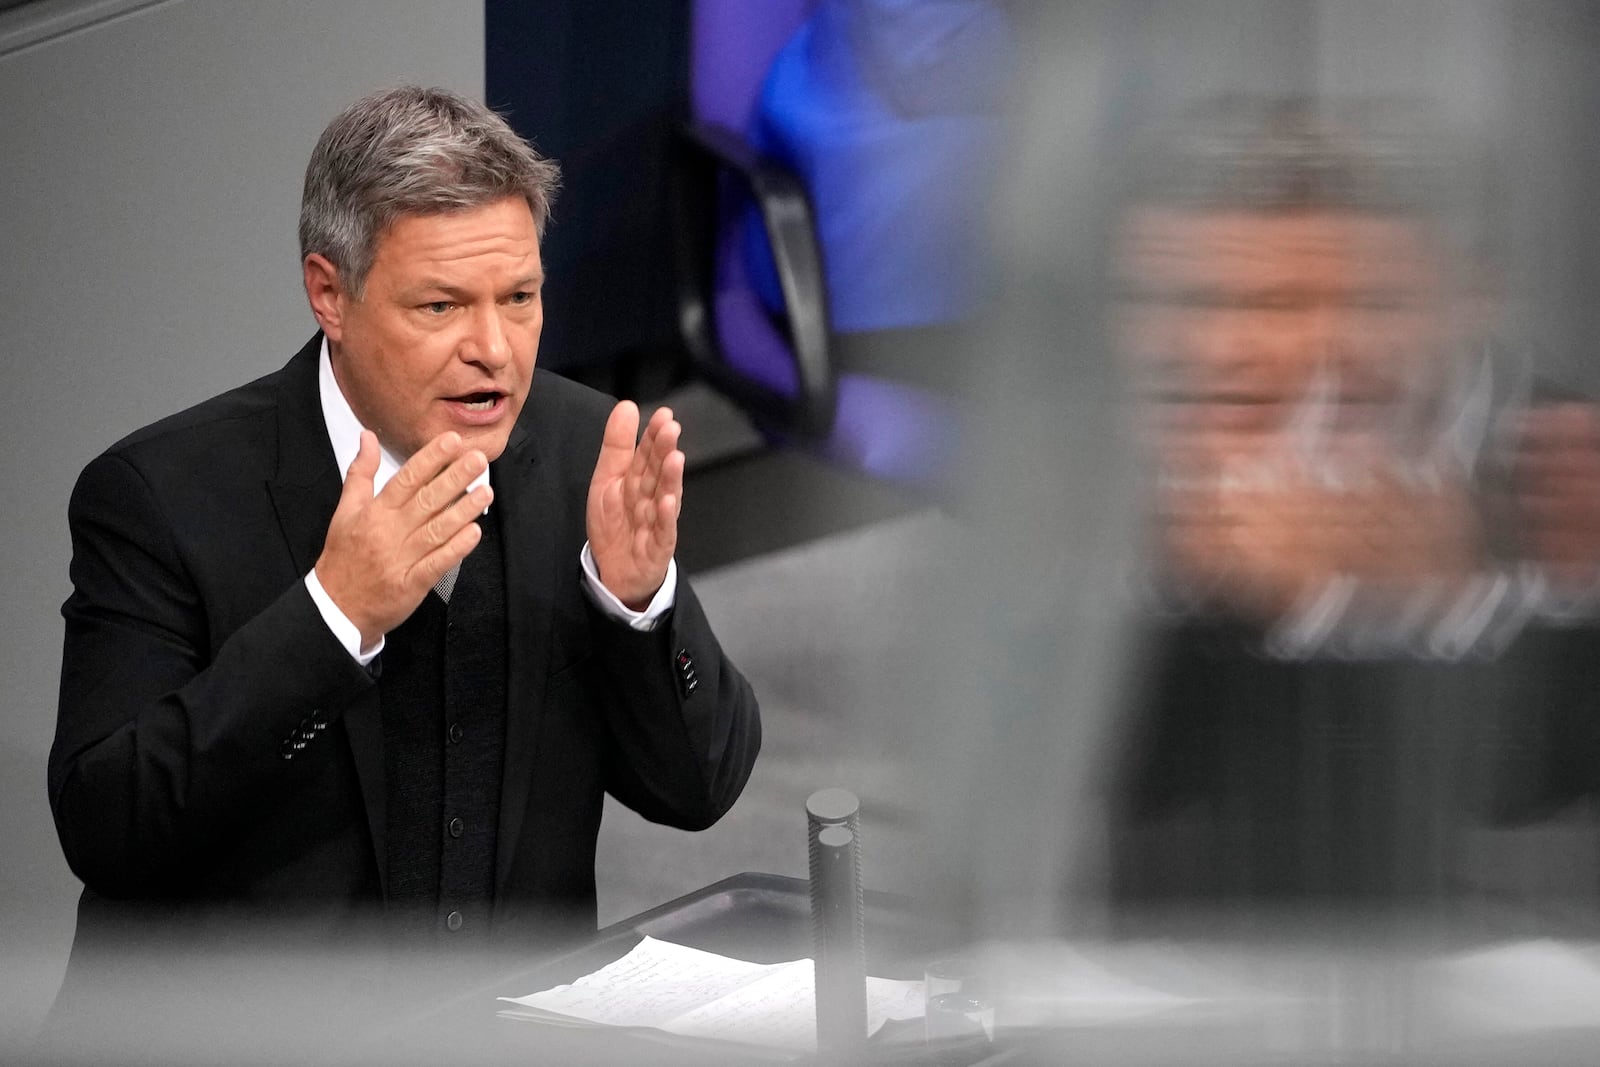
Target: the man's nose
(488, 344)
(1326, 330)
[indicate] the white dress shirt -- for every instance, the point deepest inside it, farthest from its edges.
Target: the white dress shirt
(344, 434)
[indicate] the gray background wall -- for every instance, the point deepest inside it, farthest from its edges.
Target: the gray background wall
(150, 163)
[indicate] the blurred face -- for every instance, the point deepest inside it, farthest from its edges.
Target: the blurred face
(1278, 354)
(446, 333)
(1246, 312)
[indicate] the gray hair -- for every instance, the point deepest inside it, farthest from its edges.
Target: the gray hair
(411, 151)
(1286, 154)
(1385, 156)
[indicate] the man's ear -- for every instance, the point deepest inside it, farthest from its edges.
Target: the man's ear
(326, 294)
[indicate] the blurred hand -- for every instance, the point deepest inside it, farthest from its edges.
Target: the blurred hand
(1265, 532)
(383, 553)
(634, 499)
(1558, 490)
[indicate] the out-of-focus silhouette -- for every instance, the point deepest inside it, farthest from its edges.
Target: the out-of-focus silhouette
(1362, 514)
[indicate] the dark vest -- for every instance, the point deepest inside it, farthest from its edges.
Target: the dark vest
(442, 696)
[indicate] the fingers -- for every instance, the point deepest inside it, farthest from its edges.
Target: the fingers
(446, 489)
(637, 468)
(439, 529)
(457, 546)
(1562, 422)
(650, 476)
(426, 464)
(435, 477)
(657, 516)
(664, 532)
(660, 438)
(669, 482)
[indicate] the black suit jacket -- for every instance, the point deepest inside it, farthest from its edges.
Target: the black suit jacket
(195, 658)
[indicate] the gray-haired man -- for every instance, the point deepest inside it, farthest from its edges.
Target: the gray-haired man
(376, 632)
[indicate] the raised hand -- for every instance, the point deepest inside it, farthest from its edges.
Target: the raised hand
(383, 553)
(634, 499)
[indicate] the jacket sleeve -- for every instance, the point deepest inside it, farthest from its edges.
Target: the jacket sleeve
(168, 736)
(684, 722)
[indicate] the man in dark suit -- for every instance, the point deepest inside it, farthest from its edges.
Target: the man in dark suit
(405, 697)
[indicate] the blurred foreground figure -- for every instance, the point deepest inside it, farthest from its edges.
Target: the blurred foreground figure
(1362, 516)
(1362, 631)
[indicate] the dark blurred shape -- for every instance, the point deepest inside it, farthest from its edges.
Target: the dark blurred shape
(600, 87)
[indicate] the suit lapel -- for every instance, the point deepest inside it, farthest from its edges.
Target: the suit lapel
(304, 493)
(530, 524)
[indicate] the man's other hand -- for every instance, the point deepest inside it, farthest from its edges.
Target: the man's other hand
(634, 499)
(384, 552)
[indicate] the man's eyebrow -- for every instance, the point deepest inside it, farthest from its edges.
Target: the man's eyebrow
(433, 285)
(429, 286)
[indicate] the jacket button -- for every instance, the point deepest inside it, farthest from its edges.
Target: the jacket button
(455, 733)
(286, 750)
(453, 921)
(457, 827)
(688, 681)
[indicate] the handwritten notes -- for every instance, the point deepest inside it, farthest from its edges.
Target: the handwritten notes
(690, 993)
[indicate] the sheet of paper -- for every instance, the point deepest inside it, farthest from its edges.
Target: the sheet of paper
(698, 994)
(650, 986)
(779, 1009)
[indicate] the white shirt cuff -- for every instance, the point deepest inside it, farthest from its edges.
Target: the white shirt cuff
(347, 633)
(651, 616)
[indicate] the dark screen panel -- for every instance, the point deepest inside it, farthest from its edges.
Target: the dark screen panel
(598, 86)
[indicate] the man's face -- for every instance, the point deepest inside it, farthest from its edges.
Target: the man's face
(446, 334)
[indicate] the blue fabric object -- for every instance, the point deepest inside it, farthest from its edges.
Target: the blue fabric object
(891, 112)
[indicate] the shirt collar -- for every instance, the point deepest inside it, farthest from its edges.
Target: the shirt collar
(344, 429)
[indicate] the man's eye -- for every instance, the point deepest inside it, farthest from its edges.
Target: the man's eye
(437, 307)
(523, 296)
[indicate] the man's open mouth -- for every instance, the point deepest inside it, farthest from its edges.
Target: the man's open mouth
(479, 401)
